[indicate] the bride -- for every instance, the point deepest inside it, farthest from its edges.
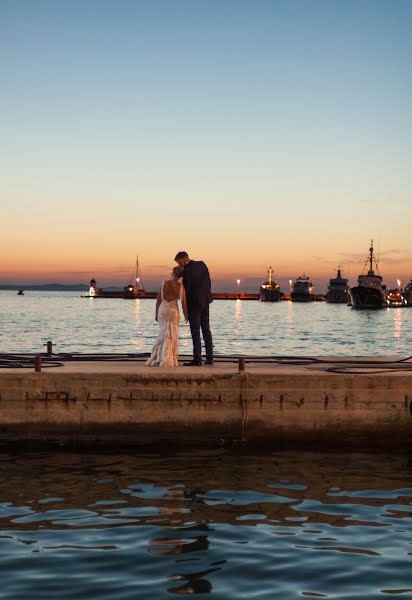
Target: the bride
(165, 352)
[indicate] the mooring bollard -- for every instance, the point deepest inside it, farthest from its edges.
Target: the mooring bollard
(37, 363)
(49, 348)
(242, 364)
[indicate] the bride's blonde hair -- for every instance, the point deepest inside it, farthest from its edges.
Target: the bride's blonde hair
(177, 272)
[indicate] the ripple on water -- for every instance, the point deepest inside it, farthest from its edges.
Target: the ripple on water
(126, 526)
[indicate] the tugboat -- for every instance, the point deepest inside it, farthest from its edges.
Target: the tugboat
(407, 293)
(370, 292)
(338, 289)
(20, 293)
(395, 298)
(303, 290)
(270, 290)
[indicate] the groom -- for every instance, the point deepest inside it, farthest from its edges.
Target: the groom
(196, 280)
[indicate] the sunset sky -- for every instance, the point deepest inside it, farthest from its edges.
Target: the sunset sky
(249, 133)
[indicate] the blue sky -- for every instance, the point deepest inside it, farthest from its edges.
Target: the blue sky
(248, 133)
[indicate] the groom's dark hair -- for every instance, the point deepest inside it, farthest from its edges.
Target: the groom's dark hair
(181, 254)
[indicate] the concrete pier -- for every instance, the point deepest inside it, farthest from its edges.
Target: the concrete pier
(264, 405)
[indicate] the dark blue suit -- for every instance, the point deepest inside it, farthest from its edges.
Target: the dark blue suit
(196, 280)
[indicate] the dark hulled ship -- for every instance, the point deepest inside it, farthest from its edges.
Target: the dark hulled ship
(270, 290)
(302, 290)
(338, 289)
(370, 292)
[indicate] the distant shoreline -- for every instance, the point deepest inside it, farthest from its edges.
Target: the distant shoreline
(52, 287)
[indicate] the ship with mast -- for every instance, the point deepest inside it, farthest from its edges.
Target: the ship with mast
(370, 292)
(338, 289)
(131, 291)
(270, 290)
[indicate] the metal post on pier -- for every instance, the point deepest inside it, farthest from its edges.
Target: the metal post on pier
(242, 364)
(49, 348)
(37, 363)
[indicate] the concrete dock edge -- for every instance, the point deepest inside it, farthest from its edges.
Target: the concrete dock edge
(214, 406)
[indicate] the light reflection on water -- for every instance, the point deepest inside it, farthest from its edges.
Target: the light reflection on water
(239, 327)
(216, 524)
(397, 328)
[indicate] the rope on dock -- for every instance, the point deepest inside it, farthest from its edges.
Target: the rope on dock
(27, 361)
(344, 365)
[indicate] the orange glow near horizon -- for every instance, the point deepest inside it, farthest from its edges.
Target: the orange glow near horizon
(110, 258)
(64, 273)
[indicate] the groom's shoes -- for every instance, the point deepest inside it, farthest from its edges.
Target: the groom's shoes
(209, 362)
(193, 363)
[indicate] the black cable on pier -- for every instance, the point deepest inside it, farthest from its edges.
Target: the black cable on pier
(332, 365)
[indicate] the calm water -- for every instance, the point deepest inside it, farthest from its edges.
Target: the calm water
(219, 525)
(215, 524)
(113, 325)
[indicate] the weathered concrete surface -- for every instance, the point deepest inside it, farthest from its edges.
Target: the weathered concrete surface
(218, 405)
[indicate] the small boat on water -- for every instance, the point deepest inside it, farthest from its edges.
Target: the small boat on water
(370, 291)
(303, 290)
(338, 289)
(20, 293)
(270, 290)
(395, 298)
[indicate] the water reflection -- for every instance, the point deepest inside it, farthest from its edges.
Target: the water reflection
(398, 314)
(247, 327)
(289, 311)
(195, 583)
(237, 341)
(238, 311)
(137, 312)
(229, 524)
(138, 341)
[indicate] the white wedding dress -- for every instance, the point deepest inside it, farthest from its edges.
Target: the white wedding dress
(165, 352)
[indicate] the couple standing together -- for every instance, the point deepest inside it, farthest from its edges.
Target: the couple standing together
(189, 283)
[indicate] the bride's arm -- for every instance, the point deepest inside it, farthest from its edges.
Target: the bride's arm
(184, 302)
(158, 302)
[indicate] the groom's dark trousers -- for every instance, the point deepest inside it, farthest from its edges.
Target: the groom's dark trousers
(199, 320)
(197, 284)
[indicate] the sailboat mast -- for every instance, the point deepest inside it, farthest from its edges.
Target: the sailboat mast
(137, 271)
